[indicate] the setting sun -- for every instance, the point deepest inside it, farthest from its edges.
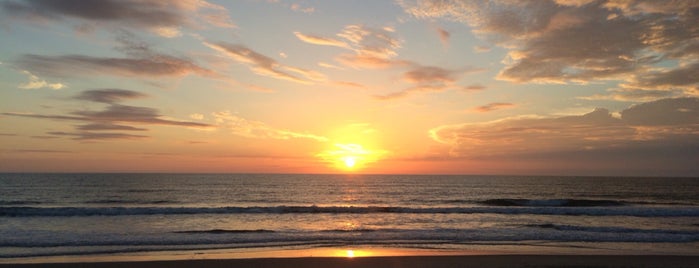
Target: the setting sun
(350, 161)
(351, 156)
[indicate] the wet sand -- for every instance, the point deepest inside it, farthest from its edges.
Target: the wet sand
(482, 261)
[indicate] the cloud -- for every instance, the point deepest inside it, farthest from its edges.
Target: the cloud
(93, 136)
(350, 84)
(109, 95)
(408, 91)
(373, 47)
(444, 36)
(665, 112)
(36, 83)
(197, 116)
(255, 129)
(583, 41)
(474, 87)
(299, 8)
(140, 61)
(370, 41)
(429, 74)
(107, 126)
(630, 95)
(427, 79)
(266, 66)
(113, 117)
(369, 62)
(160, 17)
(493, 106)
(329, 66)
(321, 41)
(669, 126)
(680, 77)
(79, 65)
(41, 151)
(482, 49)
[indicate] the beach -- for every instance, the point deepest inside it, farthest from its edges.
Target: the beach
(142, 218)
(482, 261)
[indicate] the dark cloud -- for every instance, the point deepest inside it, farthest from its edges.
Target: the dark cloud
(80, 65)
(665, 112)
(581, 41)
(684, 76)
(97, 135)
(132, 114)
(109, 95)
(161, 17)
(113, 117)
(428, 79)
(655, 133)
(107, 126)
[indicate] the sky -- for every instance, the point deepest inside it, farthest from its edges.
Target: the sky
(564, 87)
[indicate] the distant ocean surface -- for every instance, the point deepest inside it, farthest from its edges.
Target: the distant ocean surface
(76, 214)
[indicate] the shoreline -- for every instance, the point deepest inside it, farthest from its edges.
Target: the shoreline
(483, 261)
(383, 257)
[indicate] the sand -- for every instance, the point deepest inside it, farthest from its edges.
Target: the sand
(482, 261)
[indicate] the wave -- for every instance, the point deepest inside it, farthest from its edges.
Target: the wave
(637, 211)
(506, 202)
(260, 238)
(18, 203)
(608, 229)
(224, 231)
(137, 202)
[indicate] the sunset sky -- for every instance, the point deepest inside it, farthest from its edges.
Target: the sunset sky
(568, 87)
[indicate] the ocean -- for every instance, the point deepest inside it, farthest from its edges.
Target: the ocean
(83, 214)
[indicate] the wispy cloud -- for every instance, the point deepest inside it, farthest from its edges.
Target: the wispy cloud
(36, 83)
(630, 95)
(266, 66)
(373, 47)
(321, 41)
(493, 106)
(113, 117)
(164, 18)
(255, 129)
(305, 9)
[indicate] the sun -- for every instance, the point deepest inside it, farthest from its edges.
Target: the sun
(350, 157)
(350, 161)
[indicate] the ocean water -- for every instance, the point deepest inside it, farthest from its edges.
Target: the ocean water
(78, 214)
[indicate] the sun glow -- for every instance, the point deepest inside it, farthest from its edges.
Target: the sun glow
(350, 161)
(351, 156)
